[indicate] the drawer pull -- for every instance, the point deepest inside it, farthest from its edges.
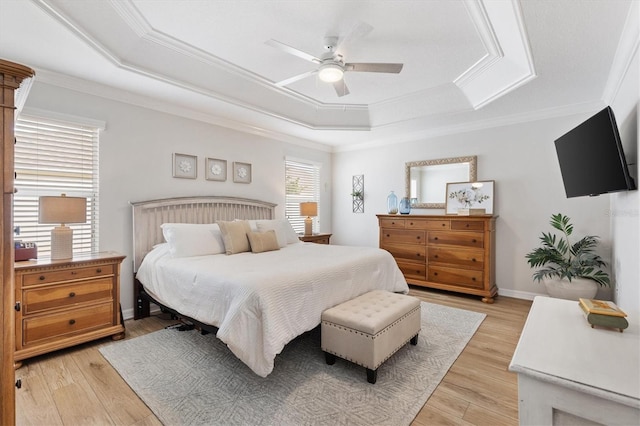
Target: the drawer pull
(74, 273)
(474, 240)
(435, 238)
(467, 225)
(418, 237)
(473, 278)
(411, 223)
(72, 321)
(388, 235)
(444, 224)
(41, 277)
(417, 254)
(435, 273)
(473, 259)
(435, 257)
(72, 294)
(99, 270)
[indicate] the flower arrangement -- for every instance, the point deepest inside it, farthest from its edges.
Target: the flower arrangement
(469, 196)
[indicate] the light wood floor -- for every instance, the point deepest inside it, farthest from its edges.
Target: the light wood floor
(77, 386)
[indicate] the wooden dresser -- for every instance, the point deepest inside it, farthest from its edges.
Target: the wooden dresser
(455, 253)
(66, 302)
(316, 238)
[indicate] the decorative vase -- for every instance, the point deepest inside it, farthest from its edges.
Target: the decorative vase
(405, 205)
(574, 290)
(392, 203)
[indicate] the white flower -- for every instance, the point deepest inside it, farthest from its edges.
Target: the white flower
(185, 166)
(242, 172)
(216, 169)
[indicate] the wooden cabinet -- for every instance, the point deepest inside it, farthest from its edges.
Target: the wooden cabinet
(12, 77)
(455, 253)
(66, 302)
(316, 238)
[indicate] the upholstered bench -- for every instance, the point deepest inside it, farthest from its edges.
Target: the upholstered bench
(369, 329)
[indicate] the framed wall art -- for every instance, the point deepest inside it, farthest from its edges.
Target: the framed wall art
(470, 198)
(185, 166)
(241, 172)
(215, 169)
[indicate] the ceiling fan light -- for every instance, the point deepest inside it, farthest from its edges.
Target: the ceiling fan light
(330, 73)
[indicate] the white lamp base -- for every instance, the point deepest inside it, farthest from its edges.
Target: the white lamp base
(61, 243)
(308, 226)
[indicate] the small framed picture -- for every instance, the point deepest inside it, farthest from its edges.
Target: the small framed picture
(470, 198)
(185, 166)
(215, 169)
(241, 172)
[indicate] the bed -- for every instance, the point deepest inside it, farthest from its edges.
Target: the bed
(256, 302)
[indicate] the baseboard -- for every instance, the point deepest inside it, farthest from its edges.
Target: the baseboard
(516, 294)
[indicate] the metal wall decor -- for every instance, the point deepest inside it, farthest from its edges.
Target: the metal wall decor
(357, 193)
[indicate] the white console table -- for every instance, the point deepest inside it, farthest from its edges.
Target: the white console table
(570, 373)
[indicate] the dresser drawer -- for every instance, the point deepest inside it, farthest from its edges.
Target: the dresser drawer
(415, 270)
(64, 324)
(45, 277)
(392, 222)
(60, 296)
(402, 236)
(428, 224)
(467, 225)
(459, 277)
(462, 239)
(407, 252)
(467, 258)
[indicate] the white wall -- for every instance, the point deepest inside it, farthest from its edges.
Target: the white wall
(522, 161)
(625, 207)
(136, 163)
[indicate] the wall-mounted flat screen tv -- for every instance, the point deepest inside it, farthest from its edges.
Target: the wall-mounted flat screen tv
(591, 158)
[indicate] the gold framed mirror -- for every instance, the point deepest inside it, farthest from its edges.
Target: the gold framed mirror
(426, 181)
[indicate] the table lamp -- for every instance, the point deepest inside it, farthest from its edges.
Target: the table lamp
(62, 210)
(308, 209)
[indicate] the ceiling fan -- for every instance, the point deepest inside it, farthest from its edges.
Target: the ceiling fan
(332, 65)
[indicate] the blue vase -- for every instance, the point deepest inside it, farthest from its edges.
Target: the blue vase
(405, 206)
(392, 203)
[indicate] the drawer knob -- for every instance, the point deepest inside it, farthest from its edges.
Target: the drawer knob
(99, 270)
(411, 223)
(435, 257)
(19, 383)
(467, 225)
(473, 259)
(388, 235)
(435, 238)
(72, 294)
(474, 240)
(473, 278)
(417, 254)
(435, 273)
(418, 237)
(72, 321)
(41, 277)
(443, 224)
(74, 273)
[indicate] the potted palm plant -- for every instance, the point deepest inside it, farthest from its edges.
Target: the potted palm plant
(568, 271)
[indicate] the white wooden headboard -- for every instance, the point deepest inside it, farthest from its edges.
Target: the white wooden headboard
(149, 215)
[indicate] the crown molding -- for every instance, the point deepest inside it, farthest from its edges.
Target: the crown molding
(627, 48)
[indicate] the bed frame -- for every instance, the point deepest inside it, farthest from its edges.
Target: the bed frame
(149, 215)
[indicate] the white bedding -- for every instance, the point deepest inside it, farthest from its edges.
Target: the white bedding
(262, 301)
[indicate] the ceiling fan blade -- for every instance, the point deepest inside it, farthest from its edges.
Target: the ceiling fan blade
(374, 67)
(359, 30)
(293, 51)
(341, 87)
(295, 78)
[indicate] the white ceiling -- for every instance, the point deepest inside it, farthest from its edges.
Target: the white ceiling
(467, 63)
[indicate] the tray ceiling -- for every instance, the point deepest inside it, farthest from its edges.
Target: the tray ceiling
(465, 62)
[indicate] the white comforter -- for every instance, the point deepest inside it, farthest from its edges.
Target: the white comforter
(260, 302)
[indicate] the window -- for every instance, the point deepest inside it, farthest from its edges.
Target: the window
(302, 181)
(52, 158)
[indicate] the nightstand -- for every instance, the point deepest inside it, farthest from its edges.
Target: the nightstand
(316, 238)
(61, 303)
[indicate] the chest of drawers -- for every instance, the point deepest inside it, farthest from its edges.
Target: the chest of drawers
(455, 253)
(64, 303)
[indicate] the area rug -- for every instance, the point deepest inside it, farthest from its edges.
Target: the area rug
(187, 378)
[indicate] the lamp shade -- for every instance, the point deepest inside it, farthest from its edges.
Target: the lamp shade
(62, 209)
(309, 209)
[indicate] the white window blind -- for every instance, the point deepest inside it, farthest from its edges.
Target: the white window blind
(52, 158)
(302, 181)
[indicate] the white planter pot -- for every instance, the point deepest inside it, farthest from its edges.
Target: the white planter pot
(577, 288)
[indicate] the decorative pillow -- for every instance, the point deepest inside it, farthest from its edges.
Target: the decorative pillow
(234, 235)
(263, 241)
(284, 230)
(193, 239)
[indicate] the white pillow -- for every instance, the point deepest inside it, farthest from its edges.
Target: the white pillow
(284, 231)
(193, 239)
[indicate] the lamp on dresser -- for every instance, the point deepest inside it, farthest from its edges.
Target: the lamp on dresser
(308, 209)
(62, 210)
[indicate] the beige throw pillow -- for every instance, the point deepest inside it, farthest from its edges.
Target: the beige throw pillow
(234, 235)
(263, 241)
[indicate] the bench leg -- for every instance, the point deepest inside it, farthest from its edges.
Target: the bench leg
(330, 358)
(414, 340)
(372, 376)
